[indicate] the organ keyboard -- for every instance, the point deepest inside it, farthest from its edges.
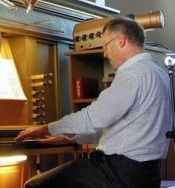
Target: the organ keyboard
(9, 146)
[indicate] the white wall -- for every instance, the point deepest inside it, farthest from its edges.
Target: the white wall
(165, 35)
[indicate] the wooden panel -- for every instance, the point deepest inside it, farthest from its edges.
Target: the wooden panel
(25, 57)
(46, 63)
(13, 112)
(11, 176)
(30, 167)
(35, 57)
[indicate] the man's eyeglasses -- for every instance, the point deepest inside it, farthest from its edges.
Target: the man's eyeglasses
(105, 45)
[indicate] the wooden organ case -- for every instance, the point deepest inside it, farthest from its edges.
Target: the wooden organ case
(36, 62)
(37, 67)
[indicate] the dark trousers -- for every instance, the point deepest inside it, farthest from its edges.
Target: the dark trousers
(100, 171)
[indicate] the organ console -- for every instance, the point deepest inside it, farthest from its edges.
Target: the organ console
(34, 61)
(20, 172)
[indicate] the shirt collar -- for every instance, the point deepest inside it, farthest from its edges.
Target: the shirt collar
(134, 59)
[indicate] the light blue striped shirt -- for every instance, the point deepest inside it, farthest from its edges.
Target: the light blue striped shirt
(131, 117)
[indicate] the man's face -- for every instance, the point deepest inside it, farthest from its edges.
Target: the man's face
(113, 44)
(111, 48)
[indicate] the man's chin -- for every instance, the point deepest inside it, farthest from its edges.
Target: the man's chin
(113, 65)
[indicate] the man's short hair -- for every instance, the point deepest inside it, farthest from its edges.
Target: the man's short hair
(128, 27)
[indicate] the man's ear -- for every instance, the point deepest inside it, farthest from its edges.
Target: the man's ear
(122, 40)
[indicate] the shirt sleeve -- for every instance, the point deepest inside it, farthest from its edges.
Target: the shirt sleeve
(112, 104)
(88, 138)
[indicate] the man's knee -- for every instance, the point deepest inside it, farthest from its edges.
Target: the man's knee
(36, 182)
(49, 178)
(30, 184)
